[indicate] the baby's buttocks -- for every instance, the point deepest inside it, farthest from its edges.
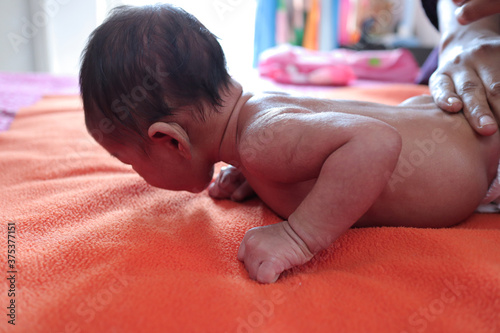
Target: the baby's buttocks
(490, 203)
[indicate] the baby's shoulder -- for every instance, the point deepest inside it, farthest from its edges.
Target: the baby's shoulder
(266, 131)
(269, 115)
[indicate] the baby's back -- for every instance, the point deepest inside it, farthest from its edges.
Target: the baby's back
(444, 168)
(443, 172)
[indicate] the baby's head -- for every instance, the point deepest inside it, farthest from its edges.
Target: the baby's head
(145, 65)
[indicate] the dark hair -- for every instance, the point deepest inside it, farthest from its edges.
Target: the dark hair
(145, 63)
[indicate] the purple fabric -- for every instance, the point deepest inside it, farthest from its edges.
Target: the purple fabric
(431, 63)
(19, 90)
(429, 66)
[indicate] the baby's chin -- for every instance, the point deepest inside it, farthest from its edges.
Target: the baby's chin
(198, 189)
(200, 185)
(191, 189)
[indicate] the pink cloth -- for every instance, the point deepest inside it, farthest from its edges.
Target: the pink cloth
(339, 67)
(19, 90)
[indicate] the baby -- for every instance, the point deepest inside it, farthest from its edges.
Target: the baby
(157, 96)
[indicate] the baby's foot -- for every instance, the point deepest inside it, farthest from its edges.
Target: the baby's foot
(270, 250)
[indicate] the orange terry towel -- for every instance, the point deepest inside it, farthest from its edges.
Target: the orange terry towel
(96, 249)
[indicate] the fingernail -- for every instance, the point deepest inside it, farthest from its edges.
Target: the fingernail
(453, 100)
(486, 120)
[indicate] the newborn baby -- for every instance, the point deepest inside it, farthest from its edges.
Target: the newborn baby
(157, 96)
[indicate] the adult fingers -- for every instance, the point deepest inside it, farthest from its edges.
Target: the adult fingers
(491, 82)
(470, 11)
(443, 91)
(475, 104)
(493, 93)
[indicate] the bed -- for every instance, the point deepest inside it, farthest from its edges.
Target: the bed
(90, 247)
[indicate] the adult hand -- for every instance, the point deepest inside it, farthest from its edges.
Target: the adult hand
(468, 78)
(472, 10)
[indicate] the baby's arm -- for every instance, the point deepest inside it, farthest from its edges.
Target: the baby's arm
(352, 158)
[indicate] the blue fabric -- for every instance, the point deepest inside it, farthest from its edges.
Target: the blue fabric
(265, 27)
(329, 25)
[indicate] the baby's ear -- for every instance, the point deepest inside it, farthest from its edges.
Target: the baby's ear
(173, 136)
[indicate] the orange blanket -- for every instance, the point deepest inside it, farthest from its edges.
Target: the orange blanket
(93, 248)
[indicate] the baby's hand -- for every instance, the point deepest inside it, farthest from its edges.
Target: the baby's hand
(270, 250)
(230, 184)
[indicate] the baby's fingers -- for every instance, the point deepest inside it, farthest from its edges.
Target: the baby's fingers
(228, 181)
(241, 251)
(217, 192)
(266, 272)
(242, 192)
